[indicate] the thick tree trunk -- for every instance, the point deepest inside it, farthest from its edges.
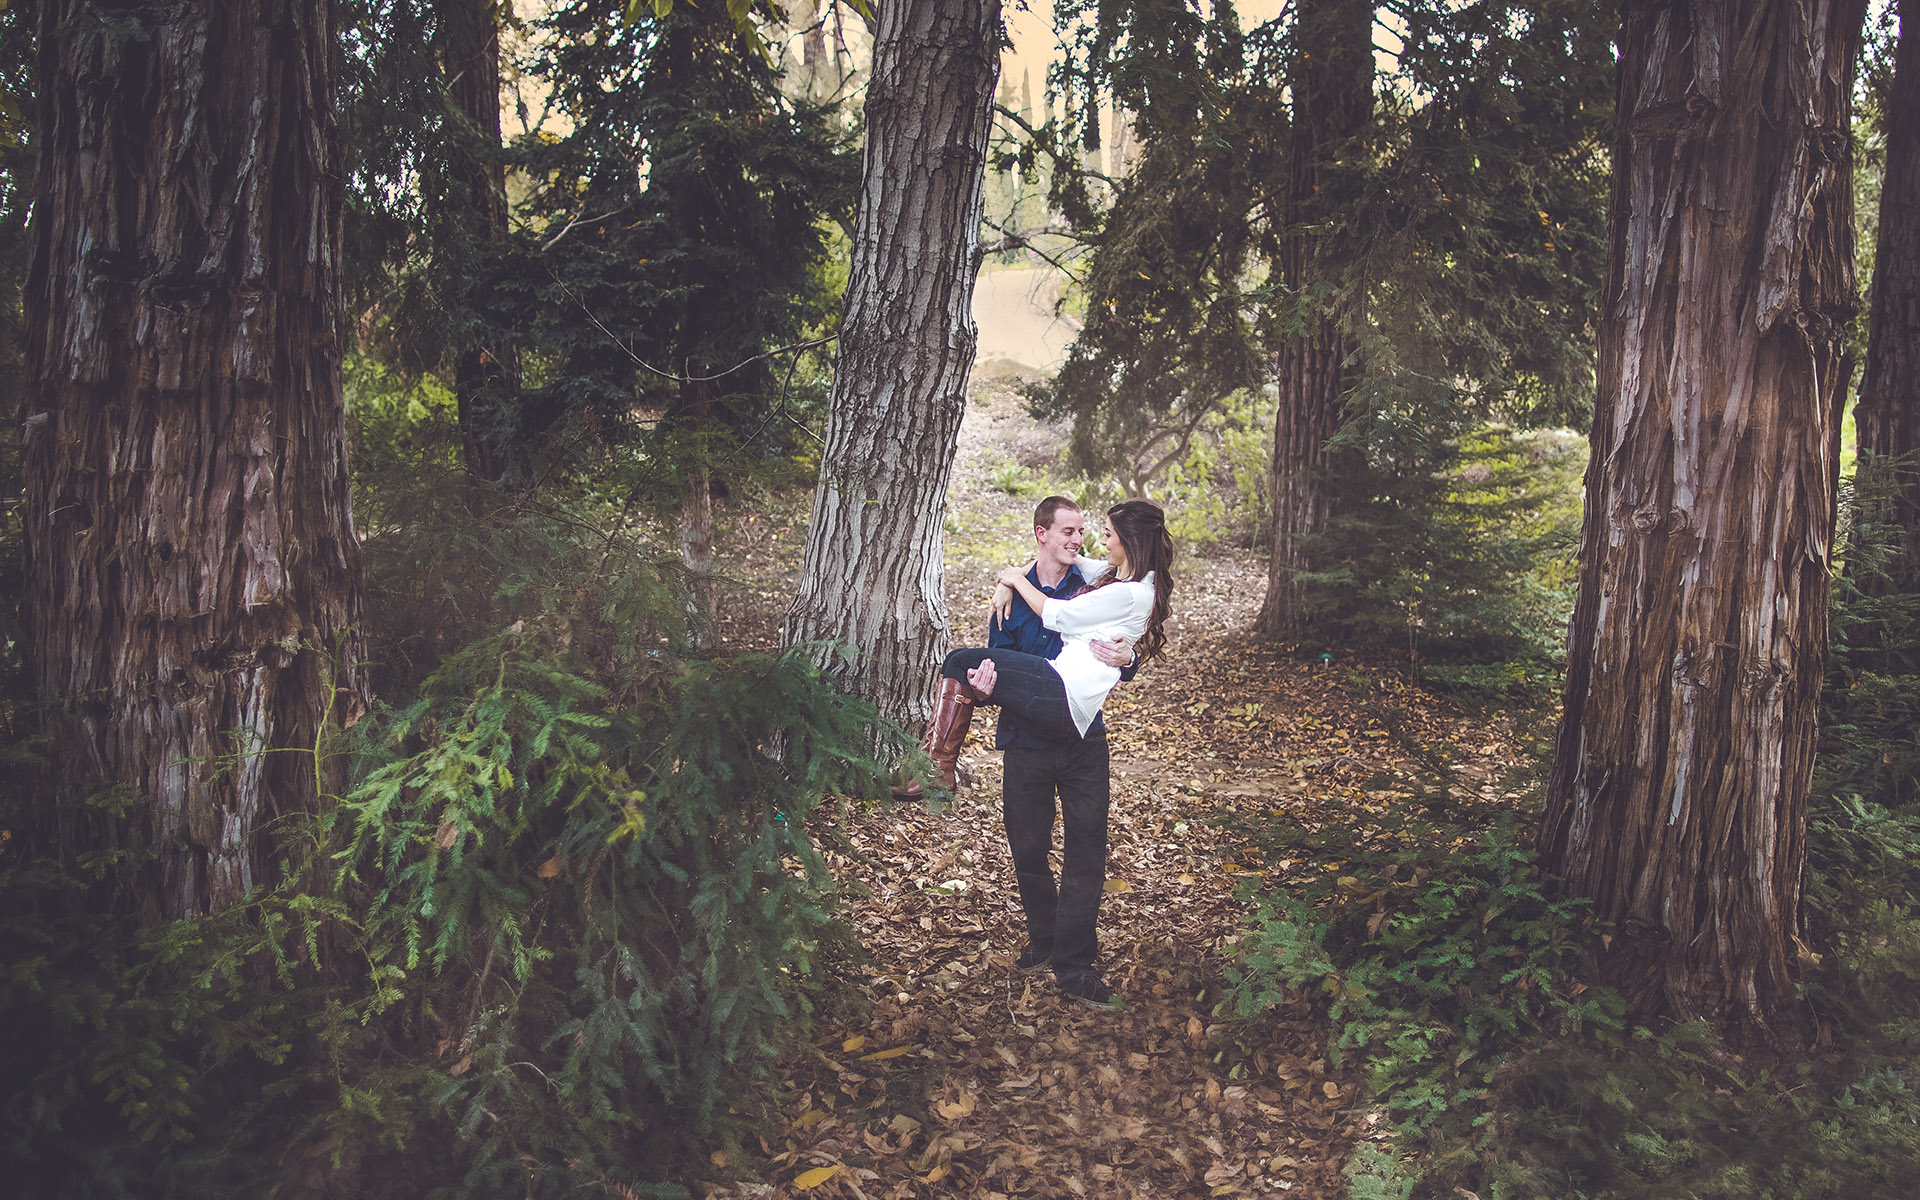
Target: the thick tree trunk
(1332, 88)
(486, 369)
(1678, 795)
(873, 571)
(195, 574)
(1888, 415)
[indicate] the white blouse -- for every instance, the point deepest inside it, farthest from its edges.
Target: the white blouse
(1119, 609)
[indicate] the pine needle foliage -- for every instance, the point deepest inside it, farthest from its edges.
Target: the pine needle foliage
(1455, 550)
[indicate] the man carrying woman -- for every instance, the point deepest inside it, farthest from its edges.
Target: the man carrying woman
(1057, 744)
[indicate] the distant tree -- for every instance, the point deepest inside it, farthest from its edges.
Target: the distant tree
(682, 227)
(1888, 415)
(1385, 263)
(1170, 324)
(873, 572)
(1677, 801)
(473, 186)
(1330, 82)
(195, 573)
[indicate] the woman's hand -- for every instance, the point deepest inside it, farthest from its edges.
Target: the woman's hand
(1011, 577)
(1001, 606)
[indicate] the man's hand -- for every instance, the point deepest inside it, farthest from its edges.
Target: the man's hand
(982, 678)
(1115, 652)
(1001, 606)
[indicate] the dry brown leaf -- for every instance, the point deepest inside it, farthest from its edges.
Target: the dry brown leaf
(953, 1110)
(551, 867)
(1118, 885)
(853, 1043)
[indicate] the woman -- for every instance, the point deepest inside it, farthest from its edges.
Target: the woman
(1059, 697)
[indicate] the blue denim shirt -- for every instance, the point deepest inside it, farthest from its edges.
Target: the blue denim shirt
(1023, 631)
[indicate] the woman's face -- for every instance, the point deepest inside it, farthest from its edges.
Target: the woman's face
(1116, 552)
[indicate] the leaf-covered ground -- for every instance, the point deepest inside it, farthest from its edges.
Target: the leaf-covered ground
(967, 1078)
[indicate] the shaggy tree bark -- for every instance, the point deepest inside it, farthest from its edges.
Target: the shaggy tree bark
(873, 577)
(486, 374)
(1678, 795)
(1331, 83)
(1888, 414)
(195, 574)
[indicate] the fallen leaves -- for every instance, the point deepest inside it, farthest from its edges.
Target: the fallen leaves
(815, 1177)
(963, 1077)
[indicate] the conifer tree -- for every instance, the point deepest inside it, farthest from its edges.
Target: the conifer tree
(195, 572)
(1382, 264)
(1888, 415)
(682, 222)
(1678, 796)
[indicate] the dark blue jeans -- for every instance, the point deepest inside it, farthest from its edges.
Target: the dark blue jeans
(1027, 687)
(1062, 917)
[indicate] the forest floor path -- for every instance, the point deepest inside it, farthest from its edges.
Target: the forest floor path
(963, 1077)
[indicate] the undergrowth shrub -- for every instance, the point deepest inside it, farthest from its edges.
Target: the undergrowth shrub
(1443, 957)
(1438, 951)
(547, 940)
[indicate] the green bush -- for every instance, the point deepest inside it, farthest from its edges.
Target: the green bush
(548, 940)
(1438, 953)
(1442, 956)
(1454, 548)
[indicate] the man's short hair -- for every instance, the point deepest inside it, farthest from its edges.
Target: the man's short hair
(1050, 508)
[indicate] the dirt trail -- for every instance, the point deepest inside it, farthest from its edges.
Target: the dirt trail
(967, 1078)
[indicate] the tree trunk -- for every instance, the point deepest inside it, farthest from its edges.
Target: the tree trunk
(1332, 89)
(696, 515)
(1888, 415)
(486, 373)
(873, 576)
(195, 573)
(1679, 787)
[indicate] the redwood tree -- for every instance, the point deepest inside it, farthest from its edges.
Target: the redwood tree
(1331, 86)
(1888, 414)
(486, 368)
(1678, 795)
(195, 573)
(873, 578)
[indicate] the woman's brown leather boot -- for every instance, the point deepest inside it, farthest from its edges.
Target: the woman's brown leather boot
(946, 733)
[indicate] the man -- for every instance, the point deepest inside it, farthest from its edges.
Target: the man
(1060, 919)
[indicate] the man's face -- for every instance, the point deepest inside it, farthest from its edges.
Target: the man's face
(1060, 542)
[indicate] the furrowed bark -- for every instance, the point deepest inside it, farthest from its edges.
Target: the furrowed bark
(873, 579)
(195, 573)
(1679, 787)
(1332, 88)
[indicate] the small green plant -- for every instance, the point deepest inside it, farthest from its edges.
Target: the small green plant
(1435, 958)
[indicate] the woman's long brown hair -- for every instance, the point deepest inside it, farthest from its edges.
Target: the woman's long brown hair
(1141, 526)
